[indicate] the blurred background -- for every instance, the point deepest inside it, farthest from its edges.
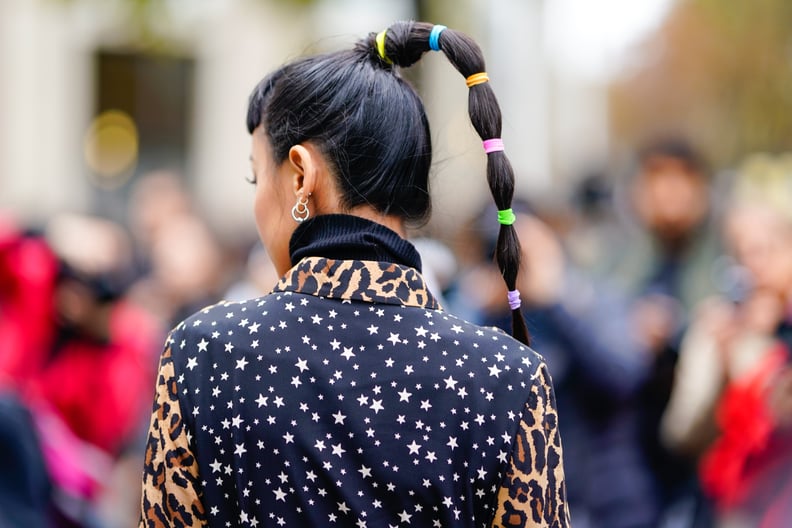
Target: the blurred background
(651, 142)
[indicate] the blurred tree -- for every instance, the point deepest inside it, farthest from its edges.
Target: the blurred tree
(718, 72)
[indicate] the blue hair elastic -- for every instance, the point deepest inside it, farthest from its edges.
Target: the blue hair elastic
(434, 37)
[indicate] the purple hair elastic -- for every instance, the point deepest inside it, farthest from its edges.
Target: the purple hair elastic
(514, 299)
(493, 145)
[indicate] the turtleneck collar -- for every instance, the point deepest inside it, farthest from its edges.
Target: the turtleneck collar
(347, 237)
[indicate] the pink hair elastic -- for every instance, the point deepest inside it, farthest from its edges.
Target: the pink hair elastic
(493, 145)
(514, 299)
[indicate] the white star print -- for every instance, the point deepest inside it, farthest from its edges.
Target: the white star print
(338, 450)
(358, 441)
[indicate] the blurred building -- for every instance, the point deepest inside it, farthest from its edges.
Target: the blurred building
(96, 93)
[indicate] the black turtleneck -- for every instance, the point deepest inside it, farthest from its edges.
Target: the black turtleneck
(347, 237)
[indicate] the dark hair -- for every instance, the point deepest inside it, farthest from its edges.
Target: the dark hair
(675, 148)
(371, 126)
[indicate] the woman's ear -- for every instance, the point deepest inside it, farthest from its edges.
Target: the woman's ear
(313, 179)
(305, 167)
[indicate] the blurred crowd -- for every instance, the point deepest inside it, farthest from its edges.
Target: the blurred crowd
(661, 301)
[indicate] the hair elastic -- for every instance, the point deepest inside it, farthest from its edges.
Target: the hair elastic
(506, 217)
(381, 46)
(514, 299)
(434, 37)
(477, 78)
(493, 145)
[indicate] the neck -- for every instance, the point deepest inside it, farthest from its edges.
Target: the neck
(394, 223)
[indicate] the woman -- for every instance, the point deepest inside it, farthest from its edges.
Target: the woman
(731, 406)
(346, 396)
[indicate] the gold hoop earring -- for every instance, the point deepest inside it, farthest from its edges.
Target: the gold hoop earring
(300, 211)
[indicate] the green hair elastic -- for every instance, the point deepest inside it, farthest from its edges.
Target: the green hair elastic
(506, 217)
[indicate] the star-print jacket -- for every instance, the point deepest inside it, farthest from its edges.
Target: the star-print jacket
(346, 397)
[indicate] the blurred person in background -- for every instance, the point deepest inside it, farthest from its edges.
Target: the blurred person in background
(593, 227)
(180, 264)
(27, 277)
(84, 370)
(597, 363)
(186, 270)
(731, 406)
(666, 263)
(155, 199)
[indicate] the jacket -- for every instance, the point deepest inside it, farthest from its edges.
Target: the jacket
(347, 397)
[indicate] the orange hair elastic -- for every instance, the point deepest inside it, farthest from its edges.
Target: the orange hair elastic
(477, 78)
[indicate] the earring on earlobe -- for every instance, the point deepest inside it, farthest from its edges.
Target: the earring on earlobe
(300, 211)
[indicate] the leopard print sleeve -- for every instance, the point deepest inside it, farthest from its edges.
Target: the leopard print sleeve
(533, 492)
(170, 475)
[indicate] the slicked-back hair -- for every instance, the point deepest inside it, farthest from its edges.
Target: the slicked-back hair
(371, 126)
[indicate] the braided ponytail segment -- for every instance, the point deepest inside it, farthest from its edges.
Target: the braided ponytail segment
(485, 115)
(403, 44)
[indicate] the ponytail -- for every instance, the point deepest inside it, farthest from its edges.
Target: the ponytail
(403, 44)
(371, 126)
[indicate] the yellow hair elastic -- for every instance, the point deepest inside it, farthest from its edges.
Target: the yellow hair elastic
(477, 78)
(381, 46)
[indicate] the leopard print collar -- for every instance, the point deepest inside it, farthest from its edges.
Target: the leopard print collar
(360, 280)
